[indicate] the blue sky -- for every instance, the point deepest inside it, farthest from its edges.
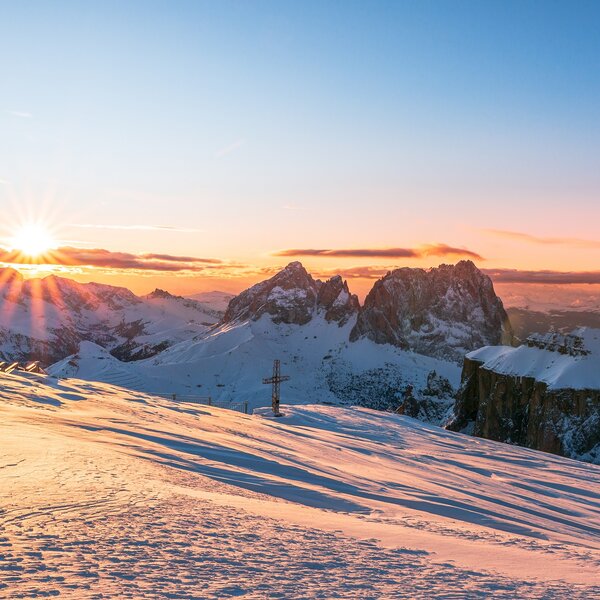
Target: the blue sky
(271, 125)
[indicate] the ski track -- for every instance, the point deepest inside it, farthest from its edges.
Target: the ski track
(108, 493)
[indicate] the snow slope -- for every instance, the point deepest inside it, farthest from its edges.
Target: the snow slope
(548, 362)
(229, 362)
(107, 492)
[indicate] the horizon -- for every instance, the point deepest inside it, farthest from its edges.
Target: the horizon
(513, 294)
(208, 145)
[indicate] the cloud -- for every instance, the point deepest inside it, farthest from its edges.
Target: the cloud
(357, 272)
(171, 258)
(98, 257)
(423, 251)
(543, 277)
(136, 227)
(231, 148)
(526, 237)
(20, 114)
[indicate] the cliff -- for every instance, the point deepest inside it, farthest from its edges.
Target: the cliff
(543, 395)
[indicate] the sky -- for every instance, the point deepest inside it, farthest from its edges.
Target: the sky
(203, 145)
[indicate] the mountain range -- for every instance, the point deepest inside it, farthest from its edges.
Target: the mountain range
(402, 350)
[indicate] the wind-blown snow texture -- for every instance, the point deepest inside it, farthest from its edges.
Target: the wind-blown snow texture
(107, 492)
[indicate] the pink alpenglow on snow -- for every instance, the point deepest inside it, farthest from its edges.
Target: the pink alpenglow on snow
(118, 493)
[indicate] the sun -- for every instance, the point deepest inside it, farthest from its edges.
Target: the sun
(33, 240)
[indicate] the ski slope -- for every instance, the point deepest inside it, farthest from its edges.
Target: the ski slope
(107, 492)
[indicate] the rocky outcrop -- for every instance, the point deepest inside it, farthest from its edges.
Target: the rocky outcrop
(432, 404)
(292, 296)
(499, 402)
(442, 312)
(335, 299)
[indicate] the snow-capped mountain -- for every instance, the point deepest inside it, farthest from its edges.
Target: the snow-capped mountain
(46, 319)
(294, 297)
(308, 324)
(544, 394)
(443, 312)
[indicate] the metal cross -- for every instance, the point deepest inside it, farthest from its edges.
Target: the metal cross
(275, 381)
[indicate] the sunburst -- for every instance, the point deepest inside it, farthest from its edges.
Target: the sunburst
(33, 240)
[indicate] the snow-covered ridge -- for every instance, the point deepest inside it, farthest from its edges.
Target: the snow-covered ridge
(559, 361)
(46, 318)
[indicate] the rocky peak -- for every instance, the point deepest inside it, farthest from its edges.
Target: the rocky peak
(335, 299)
(289, 297)
(442, 312)
(293, 296)
(158, 293)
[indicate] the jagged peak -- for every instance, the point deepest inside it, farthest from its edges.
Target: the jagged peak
(158, 293)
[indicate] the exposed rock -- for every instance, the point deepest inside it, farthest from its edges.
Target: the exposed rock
(433, 404)
(335, 299)
(293, 296)
(158, 293)
(520, 396)
(443, 312)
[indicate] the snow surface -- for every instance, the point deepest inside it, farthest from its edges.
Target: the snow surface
(229, 362)
(558, 370)
(107, 492)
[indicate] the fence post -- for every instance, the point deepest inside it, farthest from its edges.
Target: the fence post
(245, 407)
(209, 401)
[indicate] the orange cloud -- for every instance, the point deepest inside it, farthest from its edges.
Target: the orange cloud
(98, 257)
(427, 250)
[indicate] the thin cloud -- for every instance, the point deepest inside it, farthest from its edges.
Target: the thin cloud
(231, 148)
(136, 227)
(21, 114)
(423, 251)
(533, 239)
(544, 276)
(357, 272)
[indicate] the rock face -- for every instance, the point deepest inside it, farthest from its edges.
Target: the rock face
(443, 312)
(542, 396)
(293, 296)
